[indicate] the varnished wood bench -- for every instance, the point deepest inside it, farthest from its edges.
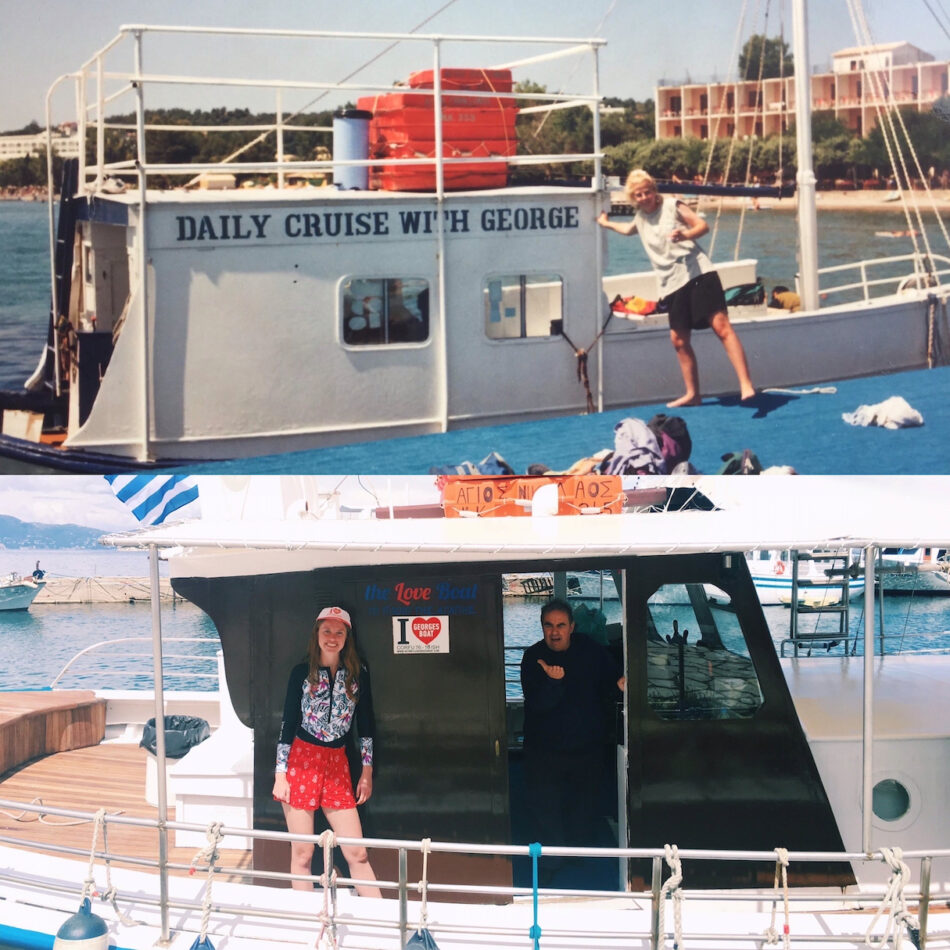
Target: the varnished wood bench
(35, 724)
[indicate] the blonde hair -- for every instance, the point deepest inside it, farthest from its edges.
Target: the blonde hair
(638, 177)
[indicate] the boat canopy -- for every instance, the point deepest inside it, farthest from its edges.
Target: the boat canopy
(754, 513)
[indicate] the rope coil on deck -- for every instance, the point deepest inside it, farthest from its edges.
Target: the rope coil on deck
(781, 871)
(327, 938)
(671, 887)
(209, 854)
(894, 905)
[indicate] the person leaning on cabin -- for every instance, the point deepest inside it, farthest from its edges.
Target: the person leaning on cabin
(784, 299)
(324, 695)
(689, 285)
(571, 684)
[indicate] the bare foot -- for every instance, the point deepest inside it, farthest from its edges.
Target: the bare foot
(746, 395)
(686, 400)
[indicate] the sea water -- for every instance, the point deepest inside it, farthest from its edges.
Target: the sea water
(769, 236)
(37, 643)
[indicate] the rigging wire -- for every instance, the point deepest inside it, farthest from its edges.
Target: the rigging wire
(883, 93)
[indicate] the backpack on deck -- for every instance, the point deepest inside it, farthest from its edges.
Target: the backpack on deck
(673, 437)
(745, 462)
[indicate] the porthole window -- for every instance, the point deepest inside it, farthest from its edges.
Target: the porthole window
(385, 311)
(890, 800)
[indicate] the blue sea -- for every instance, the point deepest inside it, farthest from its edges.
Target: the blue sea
(768, 236)
(36, 644)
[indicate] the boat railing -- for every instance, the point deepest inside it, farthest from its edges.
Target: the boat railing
(904, 272)
(101, 87)
(667, 862)
(190, 669)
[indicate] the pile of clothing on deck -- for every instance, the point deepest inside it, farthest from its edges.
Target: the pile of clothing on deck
(661, 446)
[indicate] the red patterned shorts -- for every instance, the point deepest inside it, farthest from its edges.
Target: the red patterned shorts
(319, 777)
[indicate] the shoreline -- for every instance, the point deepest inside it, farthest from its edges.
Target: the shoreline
(857, 200)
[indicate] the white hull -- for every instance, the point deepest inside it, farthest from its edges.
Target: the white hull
(183, 296)
(759, 711)
(19, 594)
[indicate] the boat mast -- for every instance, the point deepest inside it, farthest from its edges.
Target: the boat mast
(805, 178)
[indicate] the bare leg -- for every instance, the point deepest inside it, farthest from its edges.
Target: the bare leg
(733, 346)
(345, 823)
(680, 338)
(299, 822)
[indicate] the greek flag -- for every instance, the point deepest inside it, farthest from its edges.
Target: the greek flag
(153, 498)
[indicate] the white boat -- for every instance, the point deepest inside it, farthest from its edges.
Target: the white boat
(924, 571)
(18, 592)
(189, 320)
(727, 755)
(811, 579)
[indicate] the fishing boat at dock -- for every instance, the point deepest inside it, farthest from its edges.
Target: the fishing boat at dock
(733, 766)
(186, 321)
(17, 592)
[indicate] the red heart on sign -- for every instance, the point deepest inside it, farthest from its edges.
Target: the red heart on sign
(426, 628)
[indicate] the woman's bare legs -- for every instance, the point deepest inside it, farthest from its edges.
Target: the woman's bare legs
(299, 822)
(734, 350)
(345, 823)
(680, 338)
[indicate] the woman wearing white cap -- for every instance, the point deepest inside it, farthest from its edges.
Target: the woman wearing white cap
(324, 695)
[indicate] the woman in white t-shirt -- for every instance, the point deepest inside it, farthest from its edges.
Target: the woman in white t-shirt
(689, 285)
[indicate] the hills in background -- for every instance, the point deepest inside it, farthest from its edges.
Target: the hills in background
(15, 533)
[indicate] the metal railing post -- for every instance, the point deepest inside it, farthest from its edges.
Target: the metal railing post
(656, 885)
(279, 118)
(162, 787)
(923, 911)
(403, 897)
(141, 256)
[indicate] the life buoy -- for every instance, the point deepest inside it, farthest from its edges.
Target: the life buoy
(779, 567)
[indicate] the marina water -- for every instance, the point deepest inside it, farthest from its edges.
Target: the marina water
(36, 644)
(769, 236)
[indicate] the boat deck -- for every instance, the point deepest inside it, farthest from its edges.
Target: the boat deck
(74, 780)
(802, 428)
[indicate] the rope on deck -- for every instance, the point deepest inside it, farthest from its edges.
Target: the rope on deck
(209, 854)
(781, 871)
(327, 938)
(894, 905)
(671, 887)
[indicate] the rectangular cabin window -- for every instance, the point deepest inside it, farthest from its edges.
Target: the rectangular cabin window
(385, 310)
(518, 306)
(698, 664)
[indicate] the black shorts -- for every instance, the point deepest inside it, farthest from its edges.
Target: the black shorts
(696, 303)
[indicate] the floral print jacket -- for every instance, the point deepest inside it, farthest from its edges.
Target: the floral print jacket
(323, 713)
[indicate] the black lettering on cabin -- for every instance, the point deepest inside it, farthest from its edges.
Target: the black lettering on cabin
(403, 623)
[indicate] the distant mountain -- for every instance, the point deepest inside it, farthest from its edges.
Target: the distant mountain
(30, 534)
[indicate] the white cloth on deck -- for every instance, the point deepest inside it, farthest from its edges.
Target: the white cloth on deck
(892, 413)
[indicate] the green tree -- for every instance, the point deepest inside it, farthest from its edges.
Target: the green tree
(773, 54)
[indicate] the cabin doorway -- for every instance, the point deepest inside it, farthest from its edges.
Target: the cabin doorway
(596, 602)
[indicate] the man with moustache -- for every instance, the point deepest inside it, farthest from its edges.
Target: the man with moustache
(571, 685)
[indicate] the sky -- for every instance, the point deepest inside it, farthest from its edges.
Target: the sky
(89, 501)
(647, 41)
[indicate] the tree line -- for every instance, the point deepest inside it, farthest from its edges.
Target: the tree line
(627, 139)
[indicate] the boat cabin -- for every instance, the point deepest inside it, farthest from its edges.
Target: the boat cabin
(707, 749)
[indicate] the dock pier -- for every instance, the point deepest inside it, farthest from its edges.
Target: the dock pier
(102, 590)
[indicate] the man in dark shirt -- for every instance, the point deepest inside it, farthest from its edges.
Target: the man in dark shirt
(571, 685)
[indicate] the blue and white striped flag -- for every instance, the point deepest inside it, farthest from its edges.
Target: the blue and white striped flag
(153, 498)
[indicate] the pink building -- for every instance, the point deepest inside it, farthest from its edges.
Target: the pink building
(862, 80)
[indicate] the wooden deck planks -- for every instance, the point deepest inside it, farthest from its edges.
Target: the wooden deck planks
(111, 776)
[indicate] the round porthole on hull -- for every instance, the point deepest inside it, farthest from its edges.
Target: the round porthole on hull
(890, 800)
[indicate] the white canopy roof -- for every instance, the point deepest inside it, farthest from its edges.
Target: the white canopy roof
(757, 513)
